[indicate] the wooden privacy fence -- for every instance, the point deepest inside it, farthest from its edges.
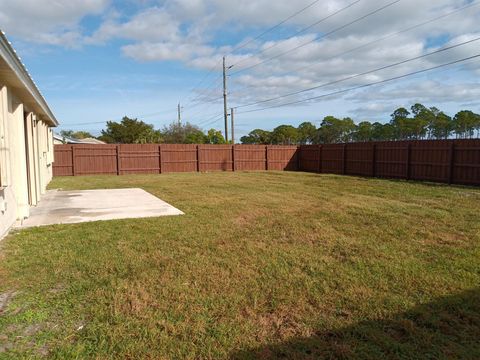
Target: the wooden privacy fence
(447, 161)
(73, 160)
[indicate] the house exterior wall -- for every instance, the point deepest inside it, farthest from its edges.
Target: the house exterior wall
(26, 159)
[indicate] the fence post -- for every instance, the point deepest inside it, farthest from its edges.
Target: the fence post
(266, 157)
(198, 158)
(374, 160)
(320, 148)
(299, 159)
(409, 153)
(451, 162)
(344, 161)
(160, 170)
(233, 156)
(117, 148)
(73, 161)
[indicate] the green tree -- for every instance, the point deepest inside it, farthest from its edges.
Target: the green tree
(215, 137)
(383, 132)
(285, 135)
(67, 133)
(257, 136)
(306, 133)
(76, 134)
(333, 130)
(477, 124)
(130, 131)
(441, 125)
(179, 133)
(465, 123)
(363, 132)
(402, 124)
(422, 118)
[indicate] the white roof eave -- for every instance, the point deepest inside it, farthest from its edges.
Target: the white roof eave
(9, 55)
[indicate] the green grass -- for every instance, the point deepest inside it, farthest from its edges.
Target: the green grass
(263, 265)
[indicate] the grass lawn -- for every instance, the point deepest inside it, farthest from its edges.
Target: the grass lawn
(263, 265)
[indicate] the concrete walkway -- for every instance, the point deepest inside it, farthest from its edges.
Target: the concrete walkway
(68, 207)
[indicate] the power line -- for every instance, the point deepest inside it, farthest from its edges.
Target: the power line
(365, 85)
(290, 17)
(241, 46)
(300, 31)
(138, 117)
(204, 77)
(263, 34)
(317, 38)
(208, 86)
(211, 120)
(206, 102)
(362, 74)
(254, 39)
(376, 40)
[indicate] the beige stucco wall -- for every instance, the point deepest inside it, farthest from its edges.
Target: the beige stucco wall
(21, 130)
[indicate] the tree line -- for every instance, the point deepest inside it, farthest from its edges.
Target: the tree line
(417, 123)
(134, 131)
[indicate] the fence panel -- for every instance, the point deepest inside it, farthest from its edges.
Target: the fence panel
(179, 158)
(282, 158)
(310, 156)
(332, 158)
(250, 157)
(359, 159)
(138, 159)
(429, 160)
(215, 158)
(466, 162)
(95, 159)
(63, 165)
(391, 159)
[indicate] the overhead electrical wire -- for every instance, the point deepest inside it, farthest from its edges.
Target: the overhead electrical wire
(317, 38)
(362, 74)
(242, 45)
(248, 42)
(205, 77)
(364, 85)
(208, 86)
(138, 117)
(374, 41)
(209, 121)
(300, 31)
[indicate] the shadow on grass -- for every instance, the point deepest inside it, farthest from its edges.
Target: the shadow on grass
(448, 328)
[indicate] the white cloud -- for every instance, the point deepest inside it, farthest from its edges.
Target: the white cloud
(151, 25)
(165, 51)
(53, 22)
(190, 31)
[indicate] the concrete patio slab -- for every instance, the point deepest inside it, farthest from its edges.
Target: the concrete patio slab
(69, 207)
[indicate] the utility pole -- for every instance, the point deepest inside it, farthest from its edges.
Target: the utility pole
(179, 114)
(225, 111)
(232, 110)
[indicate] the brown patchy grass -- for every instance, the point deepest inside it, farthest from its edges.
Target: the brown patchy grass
(263, 265)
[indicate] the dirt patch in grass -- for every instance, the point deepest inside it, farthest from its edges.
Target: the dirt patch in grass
(5, 299)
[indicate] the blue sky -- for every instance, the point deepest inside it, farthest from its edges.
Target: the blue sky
(98, 60)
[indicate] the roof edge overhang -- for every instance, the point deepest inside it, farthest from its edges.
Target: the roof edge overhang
(18, 69)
